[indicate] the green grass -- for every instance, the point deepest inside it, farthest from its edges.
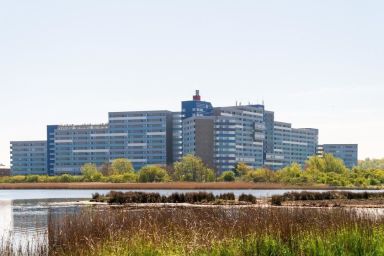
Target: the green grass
(344, 242)
(217, 231)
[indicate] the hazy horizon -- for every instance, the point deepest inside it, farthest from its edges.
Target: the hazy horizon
(315, 64)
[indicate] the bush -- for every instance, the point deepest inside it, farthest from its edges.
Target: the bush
(115, 197)
(121, 166)
(91, 173)
(226, 196)
(153, 174)
(247, 198)
(329, 195)
(31, 178)
(227, 176)
(133, 197)
(130, 177)
(277, 200)
(65, 178)
(17, 179)
(115, 179)
(192, 168)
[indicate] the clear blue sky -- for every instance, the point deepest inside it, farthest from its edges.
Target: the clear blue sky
(315, 63)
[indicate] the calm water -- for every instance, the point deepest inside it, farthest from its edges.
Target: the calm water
(24, 213)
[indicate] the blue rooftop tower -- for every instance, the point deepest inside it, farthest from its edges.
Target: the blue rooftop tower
(196, 107)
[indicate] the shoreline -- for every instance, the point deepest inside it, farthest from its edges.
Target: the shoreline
(171, 186)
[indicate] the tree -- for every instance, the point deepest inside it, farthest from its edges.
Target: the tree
(327, 163)
(371, 164)
(261, 175)
(106, 169)
(290, 174)
(90, 172)
(153, 173)
(227, 176)
(192, 168)
(241, 169)
(121, 166)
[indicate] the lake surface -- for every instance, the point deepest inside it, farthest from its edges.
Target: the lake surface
(24, 213)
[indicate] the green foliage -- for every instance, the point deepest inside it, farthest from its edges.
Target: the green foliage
(31, 178)
(153, 173)
(328, 163)
(290, 174)
(130, 177)
(66, 178)
(326, 170)
(227, 176)
(241, 169)
(260, 175)
(121, 166)
(371, 164)
(192, 168)
(90, 172)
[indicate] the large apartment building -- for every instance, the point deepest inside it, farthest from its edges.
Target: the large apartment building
(347, 152)
(221, 136)
(71, 146)
(247, 134)
(144, 137)
(28, 157)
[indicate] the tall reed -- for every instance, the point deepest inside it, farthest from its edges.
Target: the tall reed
(215, 231)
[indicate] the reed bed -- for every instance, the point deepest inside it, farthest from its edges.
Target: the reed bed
(134, 197)
(8, 247)
(328, 195)
(216, 231)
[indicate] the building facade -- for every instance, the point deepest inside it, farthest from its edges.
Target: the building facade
(211, 138)
(28, 157)
(292, 145)
(347, 152)
(5, 171)
(76, 145)
(196, 107)
(221, 136)
(249, 135)
(143, 137)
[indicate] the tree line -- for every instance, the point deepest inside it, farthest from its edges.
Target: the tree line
(327, 170)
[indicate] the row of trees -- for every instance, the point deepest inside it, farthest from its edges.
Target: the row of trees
(189, 168)
(317, 170)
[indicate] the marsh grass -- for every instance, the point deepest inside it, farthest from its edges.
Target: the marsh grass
(117, 197)
(216, 231)
(328, 195)
(10, 247)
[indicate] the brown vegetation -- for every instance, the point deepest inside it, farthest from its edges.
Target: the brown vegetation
(193, 229)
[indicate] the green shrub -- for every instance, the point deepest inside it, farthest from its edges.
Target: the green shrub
(130, 177)
(227, 176)
(153, 173)
(65, 178)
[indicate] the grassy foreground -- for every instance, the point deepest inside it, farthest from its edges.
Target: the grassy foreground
(217, 231)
